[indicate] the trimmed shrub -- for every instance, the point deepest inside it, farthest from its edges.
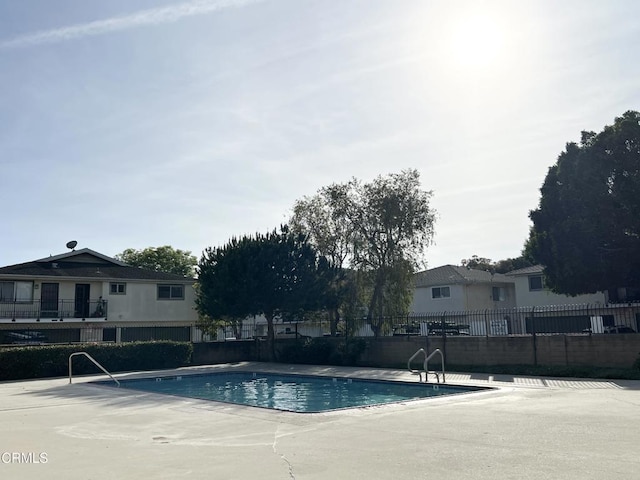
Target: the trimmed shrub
(636, 364)
(52, 361)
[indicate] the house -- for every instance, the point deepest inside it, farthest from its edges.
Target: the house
(459, 290)
(84, 295)
(531, 290)
(452, 288)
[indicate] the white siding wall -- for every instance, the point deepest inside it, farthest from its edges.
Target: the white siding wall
(423, 302)
(141, 304)
(480, 296)
(526, 298)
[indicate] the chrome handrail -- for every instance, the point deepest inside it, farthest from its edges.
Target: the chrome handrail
(93, 360)
(425, 365)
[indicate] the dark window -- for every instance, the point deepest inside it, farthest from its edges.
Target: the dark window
(498, 294)
(536, 283)
(171, 292)
(21, 292)
(440, 292)
(118, 288)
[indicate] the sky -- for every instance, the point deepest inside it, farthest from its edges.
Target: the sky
(184, 123)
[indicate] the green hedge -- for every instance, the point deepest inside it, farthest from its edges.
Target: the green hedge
(53, 361)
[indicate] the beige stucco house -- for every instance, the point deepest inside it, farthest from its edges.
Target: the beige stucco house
(531, 290)
(453, 288)
(84, 295)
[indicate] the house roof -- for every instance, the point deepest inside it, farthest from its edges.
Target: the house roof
(536, 269)
(80, 255)
(452, 274)
(85, 263)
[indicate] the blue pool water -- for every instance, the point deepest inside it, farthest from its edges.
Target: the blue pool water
(294, 393)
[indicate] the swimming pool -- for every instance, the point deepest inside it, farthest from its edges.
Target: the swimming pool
(294, 393)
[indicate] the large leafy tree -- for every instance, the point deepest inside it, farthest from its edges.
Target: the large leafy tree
(501, 266)
(586, 230)
(279, 274)
(332, 236)
(380, 230)
(161, 259)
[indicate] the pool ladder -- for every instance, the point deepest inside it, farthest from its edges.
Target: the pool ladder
(425, 365)
(93, 360)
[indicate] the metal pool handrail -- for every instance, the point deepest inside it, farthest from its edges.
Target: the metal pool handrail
(425, 365)
(93, 360)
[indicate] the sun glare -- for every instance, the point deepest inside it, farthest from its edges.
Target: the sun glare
(476, 42)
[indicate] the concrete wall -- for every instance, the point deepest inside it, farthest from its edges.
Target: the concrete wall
(566, 350)
(558, 350)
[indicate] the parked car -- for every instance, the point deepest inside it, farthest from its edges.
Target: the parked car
(619, 329)
(25, 338)
(289, 333)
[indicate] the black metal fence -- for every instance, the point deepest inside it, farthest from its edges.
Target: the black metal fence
(56, 309)
(50, 333)
(548, 320)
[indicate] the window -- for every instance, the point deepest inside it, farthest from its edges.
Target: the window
(16, 292)
(118, 288)
(171, 292)
(498, 294)
(440, 292)
(536, 283)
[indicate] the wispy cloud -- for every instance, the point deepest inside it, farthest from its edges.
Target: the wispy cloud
(154, 16)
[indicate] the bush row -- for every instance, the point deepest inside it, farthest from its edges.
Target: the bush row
(53, 361)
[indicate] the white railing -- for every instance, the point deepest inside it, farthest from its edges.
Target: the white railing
(425, 365)
(93, 360)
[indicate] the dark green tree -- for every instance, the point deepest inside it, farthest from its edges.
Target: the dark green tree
(501, 266)
(161, 259)
(279, 274)
(586, 230)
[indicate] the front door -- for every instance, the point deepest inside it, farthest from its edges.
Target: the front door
(82, 300)
(49, 300)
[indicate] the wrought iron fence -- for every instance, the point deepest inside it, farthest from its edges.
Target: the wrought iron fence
(22, 334)
(547, 320)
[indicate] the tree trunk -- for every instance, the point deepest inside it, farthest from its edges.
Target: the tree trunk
(334, 317)
(271, 344)
(375, 301)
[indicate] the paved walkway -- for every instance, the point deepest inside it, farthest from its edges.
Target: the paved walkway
(528, 428)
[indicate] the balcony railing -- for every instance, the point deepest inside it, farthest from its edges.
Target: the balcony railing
(60, 310)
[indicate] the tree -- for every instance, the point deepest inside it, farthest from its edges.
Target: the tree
(380, 229)
(332, 236)
(161, 259)
(502, 266)
(586, 230)
(279, 274)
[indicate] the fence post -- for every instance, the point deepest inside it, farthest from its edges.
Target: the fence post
(533, 335)
(444, 335)
(486, 322)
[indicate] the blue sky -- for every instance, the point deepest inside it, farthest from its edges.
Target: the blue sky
(134, 124)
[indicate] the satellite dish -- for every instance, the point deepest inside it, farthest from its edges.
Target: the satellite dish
(72, 244)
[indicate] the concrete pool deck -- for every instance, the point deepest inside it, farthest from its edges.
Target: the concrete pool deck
(528, 428)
